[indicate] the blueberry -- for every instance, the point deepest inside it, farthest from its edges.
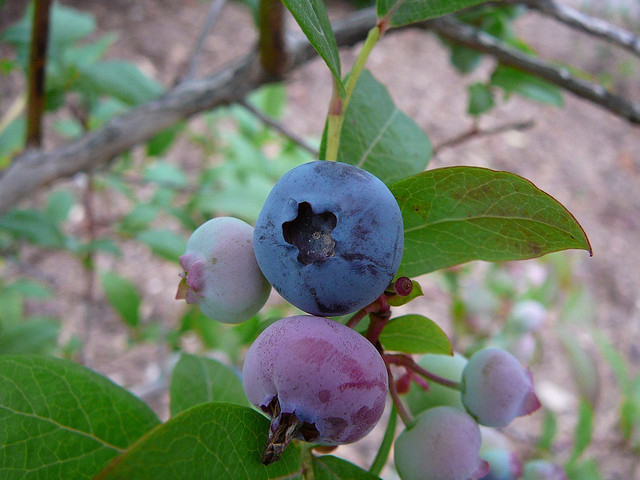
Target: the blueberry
(329, 238)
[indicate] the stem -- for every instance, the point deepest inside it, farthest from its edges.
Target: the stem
(406, 361)
(37, 70)
(89, 265)
(338, 106)
(404, 414)
(271, 43)
(307, 462)
(385, 447)
(355, 319)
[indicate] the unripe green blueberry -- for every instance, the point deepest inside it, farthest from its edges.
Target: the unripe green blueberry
(221, 274)
(543, 470)
(443, 444)
(496, 388)
(503, 464)
(446, 366)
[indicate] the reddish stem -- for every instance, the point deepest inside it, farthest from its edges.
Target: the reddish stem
(404, 414)
(408, 362)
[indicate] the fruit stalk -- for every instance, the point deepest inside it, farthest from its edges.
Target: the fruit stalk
(406, 361)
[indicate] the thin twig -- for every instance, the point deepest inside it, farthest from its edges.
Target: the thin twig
(580, 21)
(469, 37)
(475, 131)
(279, 127)
(37, 70)
(406, 361)
(194, 59)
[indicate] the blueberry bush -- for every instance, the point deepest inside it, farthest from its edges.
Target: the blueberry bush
(340, 231)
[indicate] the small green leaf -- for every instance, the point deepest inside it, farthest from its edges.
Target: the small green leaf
(123, 297)
(313, 19)
(12, 140)
(415, 334)
(12, 311)
(549, 430)
(60, 420)
(59, 205)
(198, 380)
(34, 335)
(526, 85)
(138, 219)
(454, 215)
(586, 470)
(216, 440)
(378, 137)
(328, 467)
(122, 80)
(404, 12)
(464, 59)
(165, 174)
(34, 226)
(480, 99)
(583, 431)
(164, 243)
(271, 99)
(583, 366)
(29, 289)
(160, 143)
(397, 300)
(616, 362)
(84, 55)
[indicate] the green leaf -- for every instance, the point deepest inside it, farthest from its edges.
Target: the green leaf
(34, 335)
(583, 366)
(30, 289)
(415, 334)
(216, 441)
(160, 143)
(464, 59)
(122, 80)
(165, 174)
(404, 12)
(12, 311)
(397, 300)
(271, 99)
(85, 55)
(587, 470)
(378, 137)
(12, 140)
(123, 297)
(457, 214)
(549, 430)
(583, 431)
(387, 441)
(616, 362)
(164, 243)
(198, 380)
(480, 99)
(60, 420)
(529, 86)
(59, 205)
(139, 218)
(328, 467)
(313, 19)
(34, 226)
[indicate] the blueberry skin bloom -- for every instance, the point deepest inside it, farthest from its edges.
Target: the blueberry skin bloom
(329, 238)
(331, 377)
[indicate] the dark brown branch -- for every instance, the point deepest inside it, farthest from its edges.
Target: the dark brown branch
(212, 16)
(37, 70)
(475, 132)
(580, 21)
(271, 43)
(469, 37)
(279, 127)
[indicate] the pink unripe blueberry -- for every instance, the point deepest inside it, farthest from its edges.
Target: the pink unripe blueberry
(326, 374)
(444, 444)
(221, 274)
(496, 388)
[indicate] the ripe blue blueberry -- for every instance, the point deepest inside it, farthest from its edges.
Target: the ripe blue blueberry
(329, 238)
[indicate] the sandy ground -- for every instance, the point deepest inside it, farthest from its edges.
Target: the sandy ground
(585, 157)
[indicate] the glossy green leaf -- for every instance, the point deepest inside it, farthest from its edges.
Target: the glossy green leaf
(217, 441)
(60, 420)
(196, 380)
(529, 86)
(480, 99)
(378, 137)
(328, 467)
(404, 12)
(164, 243)
(33, 335)
(415, 334)
(456, 214)
(122, 80)
(313, 19)
(123, 297)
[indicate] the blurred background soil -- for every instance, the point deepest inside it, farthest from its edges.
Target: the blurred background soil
(585, 157)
